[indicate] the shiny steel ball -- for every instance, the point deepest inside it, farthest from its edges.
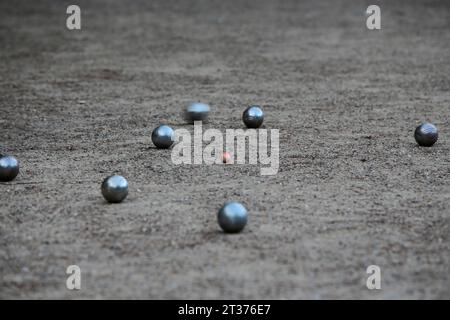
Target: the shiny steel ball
(163, 137)
(232, 217)
(426, 134)
(115, 189)
(9, 168)
(253, 117)
(197, 112)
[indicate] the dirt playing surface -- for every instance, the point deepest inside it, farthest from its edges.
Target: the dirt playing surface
(353, 187)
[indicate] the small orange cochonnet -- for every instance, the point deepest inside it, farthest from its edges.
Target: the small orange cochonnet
(226, 157)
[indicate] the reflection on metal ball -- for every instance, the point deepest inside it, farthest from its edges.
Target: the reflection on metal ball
(9, 168)
(426, 134)
(197, 112)
(232, 217)
(115, 189)
(163, 137)
(226, 157)
(253, 117)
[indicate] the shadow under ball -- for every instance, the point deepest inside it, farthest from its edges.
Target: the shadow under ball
(9, 168)
(232, 217)
(163, 137)
(197, 112)
(253, 117)
(426, 134)
(115, 189)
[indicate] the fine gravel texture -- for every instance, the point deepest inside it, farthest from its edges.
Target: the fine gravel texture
(353, 188)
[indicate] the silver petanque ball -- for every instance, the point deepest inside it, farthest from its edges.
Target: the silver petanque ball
(115, 189)
(9, 168)
(232, 217)
(253, 117)
(426, 134)
(197, 112)
(163, 137)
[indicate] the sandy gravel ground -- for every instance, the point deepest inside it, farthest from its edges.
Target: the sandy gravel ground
(353, 188)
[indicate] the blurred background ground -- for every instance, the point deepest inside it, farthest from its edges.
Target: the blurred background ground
(353, 188)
